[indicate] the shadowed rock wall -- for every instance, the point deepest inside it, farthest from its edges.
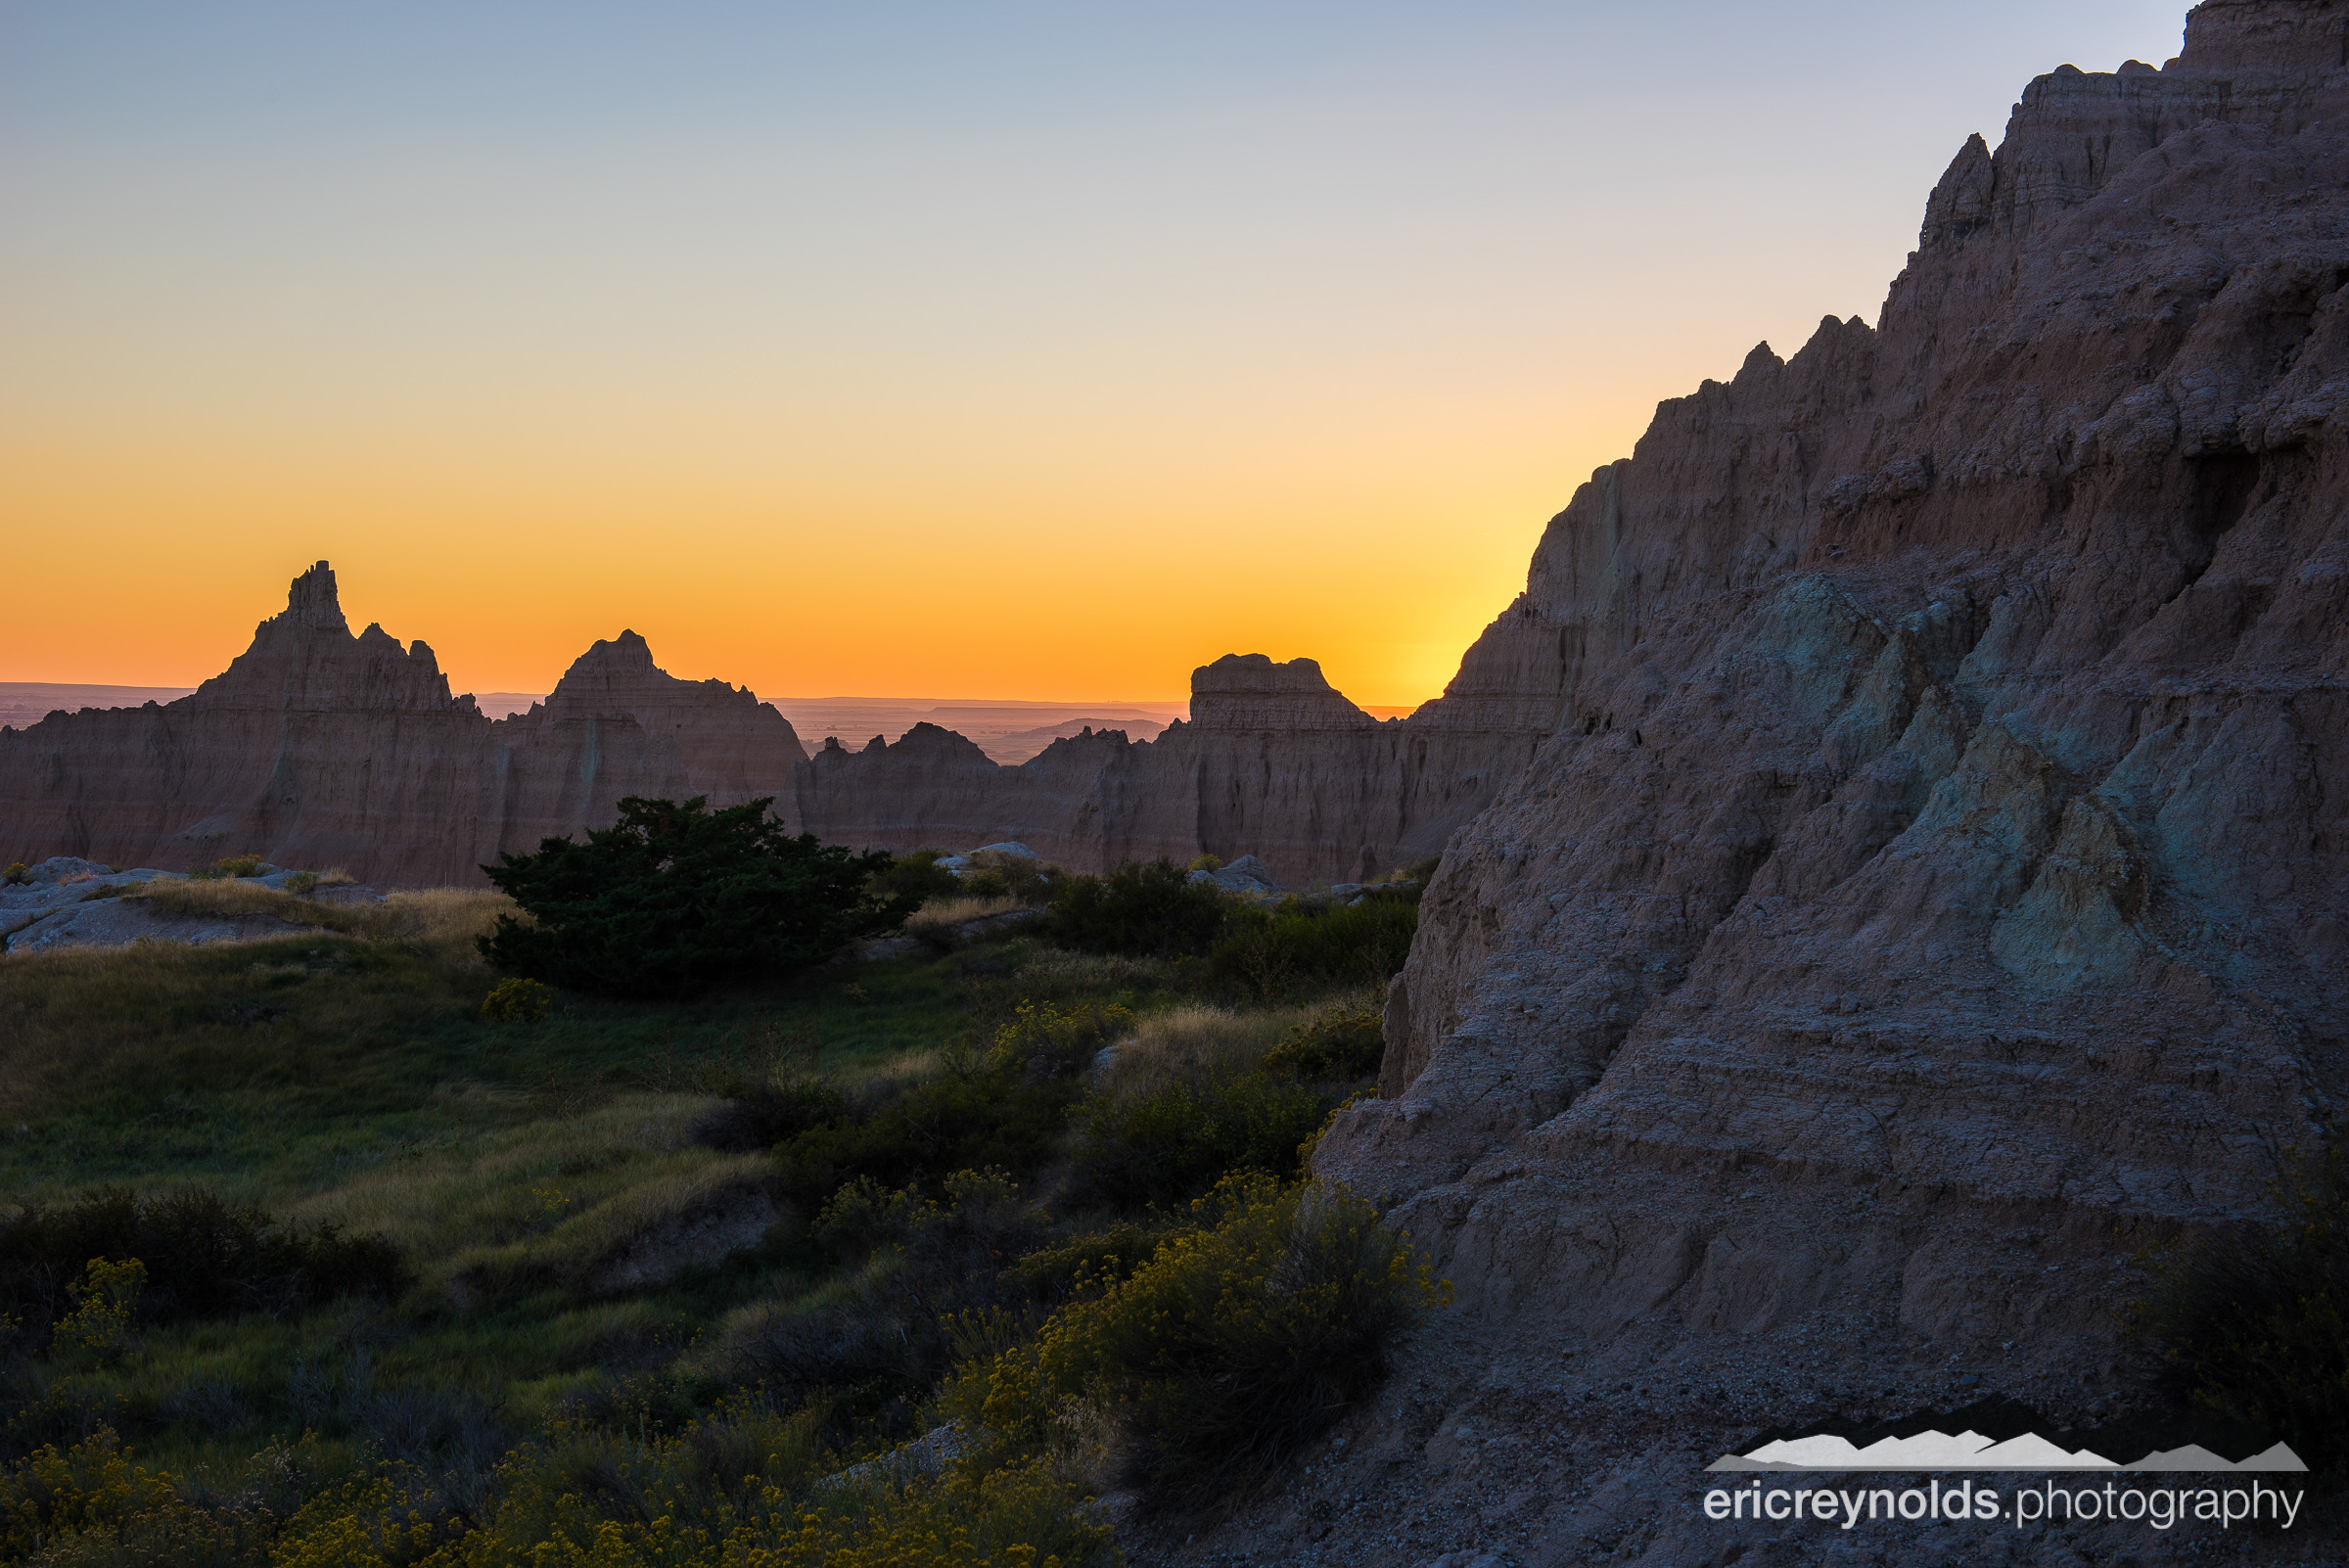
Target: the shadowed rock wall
(1939, 874)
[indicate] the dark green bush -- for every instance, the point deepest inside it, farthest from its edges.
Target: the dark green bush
(1339, 1044)
(2253, 1324)
(674, 900)
(1303, 947)
(1094, 1258)
(744, 1484)
(1141, 911)
(1045, 1039)
(518, 1001)
(960, 1122)
(917, 876)
(203, 1257)
(864, 1218)
(1173, 1143)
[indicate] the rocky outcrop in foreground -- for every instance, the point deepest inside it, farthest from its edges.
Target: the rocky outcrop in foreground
(1939, 885)
(70, 903)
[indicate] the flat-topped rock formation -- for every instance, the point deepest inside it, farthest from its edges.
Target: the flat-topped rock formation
(1939, 883)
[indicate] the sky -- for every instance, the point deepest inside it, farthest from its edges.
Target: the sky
(1017, 350)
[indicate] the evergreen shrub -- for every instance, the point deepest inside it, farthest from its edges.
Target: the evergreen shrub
(676, 899)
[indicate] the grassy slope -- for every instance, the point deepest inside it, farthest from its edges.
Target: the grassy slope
(338, 1077)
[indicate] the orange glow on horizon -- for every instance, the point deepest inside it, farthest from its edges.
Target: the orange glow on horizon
(801, 590)
(1038, 351)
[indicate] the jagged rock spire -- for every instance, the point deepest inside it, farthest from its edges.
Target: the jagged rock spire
(312, 600)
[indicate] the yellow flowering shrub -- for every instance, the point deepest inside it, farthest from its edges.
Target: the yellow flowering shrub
(1235, 1342)
(1016, 1515)
(56, 1494)
(390, 1519)
(106, 1304)
(88, 1504)
(518, 1001)
(746, 1489)
(1060, 1035)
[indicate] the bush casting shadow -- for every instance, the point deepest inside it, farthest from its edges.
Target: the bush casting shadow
(676, 899)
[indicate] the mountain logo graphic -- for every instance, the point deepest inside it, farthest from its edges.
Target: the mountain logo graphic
(1971, 1451)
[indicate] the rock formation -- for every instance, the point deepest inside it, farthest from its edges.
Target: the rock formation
(317, 747)
(324, 747)
(617, 725)
(1939, 881)
(1273, 762)
(1897, 864)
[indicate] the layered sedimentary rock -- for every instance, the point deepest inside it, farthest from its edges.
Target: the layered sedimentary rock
(317, 747)
(1273, 762)
(1939, 881)
(615, 725)
(324, 747)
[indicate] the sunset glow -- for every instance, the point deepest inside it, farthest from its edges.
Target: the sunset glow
(884, 349)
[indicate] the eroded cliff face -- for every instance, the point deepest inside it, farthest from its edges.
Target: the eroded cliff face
(319, 747)
(1273, 762)
(1938, 881)
(615, 725)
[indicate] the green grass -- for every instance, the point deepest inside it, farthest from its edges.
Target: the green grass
(350, 1079)
(544, 1180)
(277, 1070)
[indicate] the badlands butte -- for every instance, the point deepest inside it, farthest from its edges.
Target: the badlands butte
(317, 747)
(1894, 850)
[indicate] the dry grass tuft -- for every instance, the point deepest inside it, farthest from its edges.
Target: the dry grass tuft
(556, 1201)
(445, 921)
(1194, 1041)
(596, 1248)
(946, 914)
(223, 898)
(514, 1185)
(1053, 972)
